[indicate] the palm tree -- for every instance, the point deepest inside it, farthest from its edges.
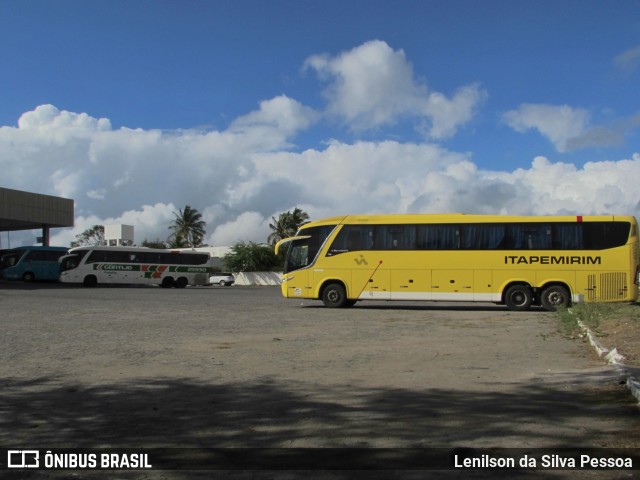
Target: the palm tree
(286, 225)
(278, 228)
(188, 228)
(298, 218)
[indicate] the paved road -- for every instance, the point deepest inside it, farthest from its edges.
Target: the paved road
(243, 367)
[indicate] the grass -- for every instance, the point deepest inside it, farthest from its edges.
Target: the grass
(617, 325)
(591, 314)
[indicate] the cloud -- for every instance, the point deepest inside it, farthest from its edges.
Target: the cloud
(372, 86)
(569, 128)
(47, 119)
(150, 223)
(559, 124)
(628, 61)
(241, 176)
(247, 227)
(276, 120)
(561, 188)
(140, 177)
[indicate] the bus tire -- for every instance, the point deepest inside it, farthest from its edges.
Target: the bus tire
(334, 296)
(28, 277)
(167, 282)
(555, 296)
(181, 282)
(90, 281)
(518, 298)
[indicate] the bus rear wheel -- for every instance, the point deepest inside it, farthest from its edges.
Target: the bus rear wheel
(167, 282)
(518, 298)
(553, 297)
(335, 296)
(181, 282)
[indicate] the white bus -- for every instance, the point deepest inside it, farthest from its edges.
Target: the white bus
(134, 265)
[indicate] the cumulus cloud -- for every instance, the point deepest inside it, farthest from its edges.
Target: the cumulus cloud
(560, 124)
(569, 128)
(373, 85)
(47, 119)
(150, 223)
(241, 176)
(141, 178)
(247, 227)
(628, 61)
(561, 188)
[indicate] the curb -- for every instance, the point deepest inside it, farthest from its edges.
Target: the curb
(613, 358)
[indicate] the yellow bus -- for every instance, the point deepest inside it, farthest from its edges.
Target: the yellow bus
(517, 261)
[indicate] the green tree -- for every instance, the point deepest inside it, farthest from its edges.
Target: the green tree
(286, 225)
(90, 237)
(188, 228)
(250, 257)
(157, 243)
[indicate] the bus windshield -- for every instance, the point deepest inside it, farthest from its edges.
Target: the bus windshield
(71, 261)
(302, 252)
(11, 259)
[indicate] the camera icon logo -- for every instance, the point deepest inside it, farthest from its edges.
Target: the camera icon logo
(23, 459)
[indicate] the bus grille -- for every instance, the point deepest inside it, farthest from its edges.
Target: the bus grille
(613, 286)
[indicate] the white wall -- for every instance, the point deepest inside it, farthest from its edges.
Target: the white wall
(258, 278)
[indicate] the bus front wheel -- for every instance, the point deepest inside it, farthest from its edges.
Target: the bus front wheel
(28, 277)
(553, 297)
(90, 281)
(518, 297)
(334, 296)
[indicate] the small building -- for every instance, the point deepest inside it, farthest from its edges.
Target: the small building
(118, 235)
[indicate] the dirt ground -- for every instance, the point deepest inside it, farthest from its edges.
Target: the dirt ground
(242, 367)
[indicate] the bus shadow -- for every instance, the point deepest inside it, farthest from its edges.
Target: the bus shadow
(54, 285)
(424, 306)
(35, 285)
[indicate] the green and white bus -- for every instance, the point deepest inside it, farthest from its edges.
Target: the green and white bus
(134, 265)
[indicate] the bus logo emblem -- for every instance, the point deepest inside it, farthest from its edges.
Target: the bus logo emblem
(361, 260)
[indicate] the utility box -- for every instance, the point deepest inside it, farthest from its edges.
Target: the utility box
(118, 235)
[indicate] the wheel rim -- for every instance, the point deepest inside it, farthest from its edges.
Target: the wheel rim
(556, 298)
(333, 296)
(518, 298)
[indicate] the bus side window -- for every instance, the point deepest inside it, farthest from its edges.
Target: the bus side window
(95, 256)
(353, 240)
(538, 237)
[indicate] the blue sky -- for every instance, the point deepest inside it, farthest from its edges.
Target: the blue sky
(426, 105)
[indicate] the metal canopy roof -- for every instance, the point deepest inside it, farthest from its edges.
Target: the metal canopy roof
(27, 211)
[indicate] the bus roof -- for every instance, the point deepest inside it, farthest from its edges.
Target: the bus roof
(400, 218)
(37, 247)
(130, 249)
